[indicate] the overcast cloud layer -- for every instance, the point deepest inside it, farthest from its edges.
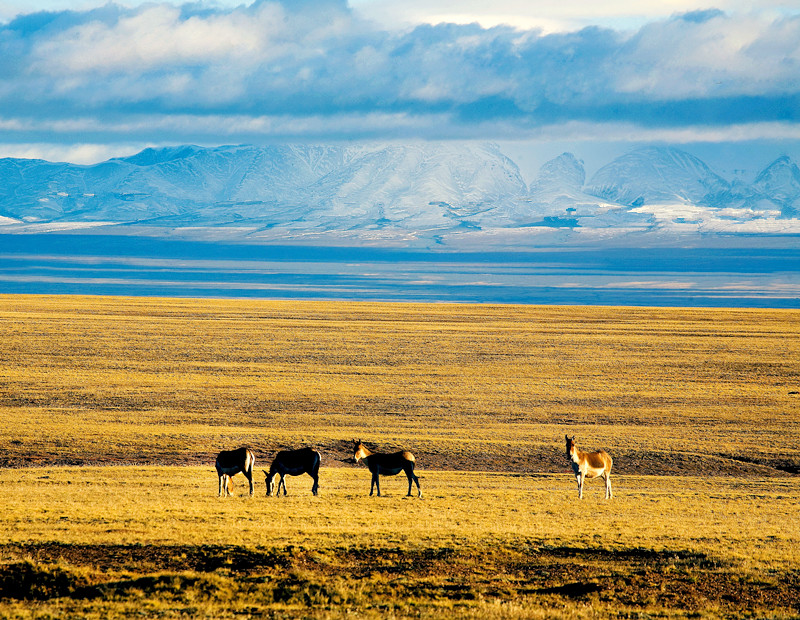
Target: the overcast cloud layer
(319, 70)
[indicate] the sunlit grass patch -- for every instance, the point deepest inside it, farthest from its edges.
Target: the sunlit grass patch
(161, 537)
(158, 540)
(742, 520)
(466, 387)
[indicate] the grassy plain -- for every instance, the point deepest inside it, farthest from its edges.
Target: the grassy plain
(111, 410)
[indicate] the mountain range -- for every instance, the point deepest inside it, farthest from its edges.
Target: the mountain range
(453, 194)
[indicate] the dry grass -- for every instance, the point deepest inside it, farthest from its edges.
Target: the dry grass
(468, 387)
(698, 407)
(111, 538)
(752, 522)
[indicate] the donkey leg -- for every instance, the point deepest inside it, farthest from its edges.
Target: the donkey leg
(413, 478)
(249, 476)
(315, 488)
(580, 486)
(609, 493)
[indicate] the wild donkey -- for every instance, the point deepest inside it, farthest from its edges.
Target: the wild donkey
(293, 463)
(386, 465)
(589, 465)
(231, 462)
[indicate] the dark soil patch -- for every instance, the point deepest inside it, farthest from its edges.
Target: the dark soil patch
(440, 458)
(627, 580)
(154, 558)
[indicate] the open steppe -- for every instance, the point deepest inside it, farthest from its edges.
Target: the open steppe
(112, 409)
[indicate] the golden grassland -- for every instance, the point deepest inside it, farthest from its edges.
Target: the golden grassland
(112, 409)
(179, 506)
(122, 540)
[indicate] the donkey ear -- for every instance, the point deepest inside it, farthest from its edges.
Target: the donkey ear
(566, 437)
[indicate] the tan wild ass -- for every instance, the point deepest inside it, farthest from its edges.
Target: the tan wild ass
(231, 462)
(589, 465)
(293, 463)
(382, 464)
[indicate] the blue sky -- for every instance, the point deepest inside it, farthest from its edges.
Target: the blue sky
(85, 80)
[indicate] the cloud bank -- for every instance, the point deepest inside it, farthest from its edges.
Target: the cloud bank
(315, 70)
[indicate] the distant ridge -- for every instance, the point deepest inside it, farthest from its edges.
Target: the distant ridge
(656, 175)
(442, 193)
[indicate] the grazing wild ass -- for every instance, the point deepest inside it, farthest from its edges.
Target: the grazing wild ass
(293, 463)
(381, 464)
(589, 465)
(231, 462)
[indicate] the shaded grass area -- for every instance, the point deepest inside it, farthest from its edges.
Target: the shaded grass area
(213, 580)
(473, 457)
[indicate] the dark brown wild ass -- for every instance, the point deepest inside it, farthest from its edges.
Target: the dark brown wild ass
(589, 465)
(381, 464)
(293, 463)
(231, 462)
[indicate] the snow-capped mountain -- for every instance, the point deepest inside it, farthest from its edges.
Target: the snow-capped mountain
(780, 183)
(558, 198)
(425, 185)
(431, 185)
(559, 184)
(657, 175)
(450, 193)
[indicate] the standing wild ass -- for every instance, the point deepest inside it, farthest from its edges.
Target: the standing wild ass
(386, 465)
(589, 465)
(231, 462)
(293, 463)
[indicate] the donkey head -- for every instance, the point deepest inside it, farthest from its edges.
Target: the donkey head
(570, 444)
(268, 477)
(359, 450)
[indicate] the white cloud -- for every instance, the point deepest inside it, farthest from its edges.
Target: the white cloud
(575, 131)
(317, 70)
(549, 16)
(214, 130)
(742, 55)
(157, 37)
(82, 153)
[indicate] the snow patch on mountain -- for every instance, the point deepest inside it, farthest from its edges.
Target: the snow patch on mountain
(657, 175)
(558, 196)
(780, 183)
